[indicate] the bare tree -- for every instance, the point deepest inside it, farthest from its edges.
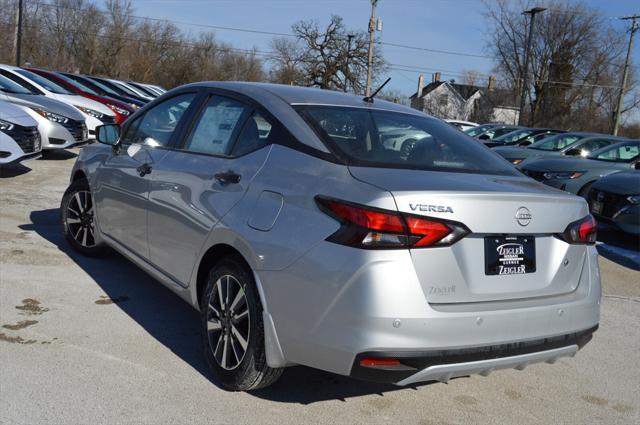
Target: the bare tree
(575, 58)
(330, 58)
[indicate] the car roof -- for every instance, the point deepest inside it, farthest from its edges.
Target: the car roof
(295, 95)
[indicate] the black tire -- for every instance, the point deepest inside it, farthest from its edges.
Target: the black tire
(251, 371)
(78, 225)
(407, 147)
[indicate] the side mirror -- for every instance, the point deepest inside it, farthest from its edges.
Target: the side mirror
(524, 143)
(484, 137)
(109, 134)
(573, 152)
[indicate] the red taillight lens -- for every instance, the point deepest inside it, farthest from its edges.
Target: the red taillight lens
(367, 227)
(379, 362)
(583, 231)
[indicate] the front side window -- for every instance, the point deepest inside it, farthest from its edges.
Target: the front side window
(218, 126)
(373, 138)
(158, 123)
(623, 152)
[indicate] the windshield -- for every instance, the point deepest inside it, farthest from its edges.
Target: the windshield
(555, 143)
(44, 82)
(76, 83)
(8, 86)
(514, 135)
(479, 129)
(125, 89)
(106, 89)
(374, 138)
(621, 152)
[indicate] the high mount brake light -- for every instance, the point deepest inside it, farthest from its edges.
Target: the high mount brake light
(367, 227)
(583, 231)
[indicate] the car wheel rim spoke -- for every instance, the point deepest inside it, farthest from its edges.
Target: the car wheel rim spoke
(227, 322)
(80, 219)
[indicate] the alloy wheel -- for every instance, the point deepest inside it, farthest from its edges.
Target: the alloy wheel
(80, 219)
(228, 322)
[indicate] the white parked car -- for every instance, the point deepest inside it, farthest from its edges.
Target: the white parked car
(94, 113)
(462, 125)
(19, 136)
(60, 125)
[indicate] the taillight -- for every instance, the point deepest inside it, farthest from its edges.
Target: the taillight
(583, 231)
(367, 227)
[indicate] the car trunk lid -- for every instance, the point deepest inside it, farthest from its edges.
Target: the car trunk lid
(494, 207)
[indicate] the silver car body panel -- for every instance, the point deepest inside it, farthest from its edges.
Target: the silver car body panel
(15, 115)
(324, 303)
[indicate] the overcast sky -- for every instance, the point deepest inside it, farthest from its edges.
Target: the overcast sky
(450, 25)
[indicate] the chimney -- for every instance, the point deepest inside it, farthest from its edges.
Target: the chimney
(492, 83)
(436, 77)
(420, 84)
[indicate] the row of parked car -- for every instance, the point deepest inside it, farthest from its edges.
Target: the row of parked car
(599, 167)
(44, 110)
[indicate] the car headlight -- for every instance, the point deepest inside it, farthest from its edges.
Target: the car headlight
(117, 110)
(134, 106)
(634, 199)
(51, 116)
(517, 161)
(567, 175)
(90, 112)
(6, 125)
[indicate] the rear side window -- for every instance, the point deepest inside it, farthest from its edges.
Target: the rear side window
(367, 137)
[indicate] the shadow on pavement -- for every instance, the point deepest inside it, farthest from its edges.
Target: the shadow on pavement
(13, 170)
(619, 247)
(57, 155)
(175, 324)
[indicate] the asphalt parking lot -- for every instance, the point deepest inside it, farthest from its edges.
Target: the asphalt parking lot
(98, 341)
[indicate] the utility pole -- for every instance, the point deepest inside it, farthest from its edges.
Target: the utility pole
(372, 30)
(346, 77)
(625, 73)
(525, 75)
(18, 36)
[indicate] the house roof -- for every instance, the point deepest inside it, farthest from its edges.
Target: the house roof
(464, 90)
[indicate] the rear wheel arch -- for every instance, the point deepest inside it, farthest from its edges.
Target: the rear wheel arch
(213, 255)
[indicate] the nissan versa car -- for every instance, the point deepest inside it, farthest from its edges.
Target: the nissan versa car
(120, 109)
(279, 213)
(60, 125)
(103, 90)
(94, 113)
(569, 144)
(615, 199)
(576, 175)
(19, 137)
(521, 137)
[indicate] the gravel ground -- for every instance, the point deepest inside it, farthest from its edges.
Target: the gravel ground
(98, 341)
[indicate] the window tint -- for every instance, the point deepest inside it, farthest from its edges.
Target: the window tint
(44, 82)
(253, 136)
(592, 145)
(555, 143)
(218, 125)
(618, 153)
(397, 140)
(20, 82)
(158, 123)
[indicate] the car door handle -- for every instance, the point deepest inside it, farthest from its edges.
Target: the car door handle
(228, 177)
(144, 169)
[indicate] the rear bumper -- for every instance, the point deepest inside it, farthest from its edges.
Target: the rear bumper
(442, 365)
(334, 305)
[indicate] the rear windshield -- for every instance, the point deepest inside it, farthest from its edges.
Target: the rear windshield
(374, 138)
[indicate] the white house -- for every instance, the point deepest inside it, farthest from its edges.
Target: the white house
(450, 100)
